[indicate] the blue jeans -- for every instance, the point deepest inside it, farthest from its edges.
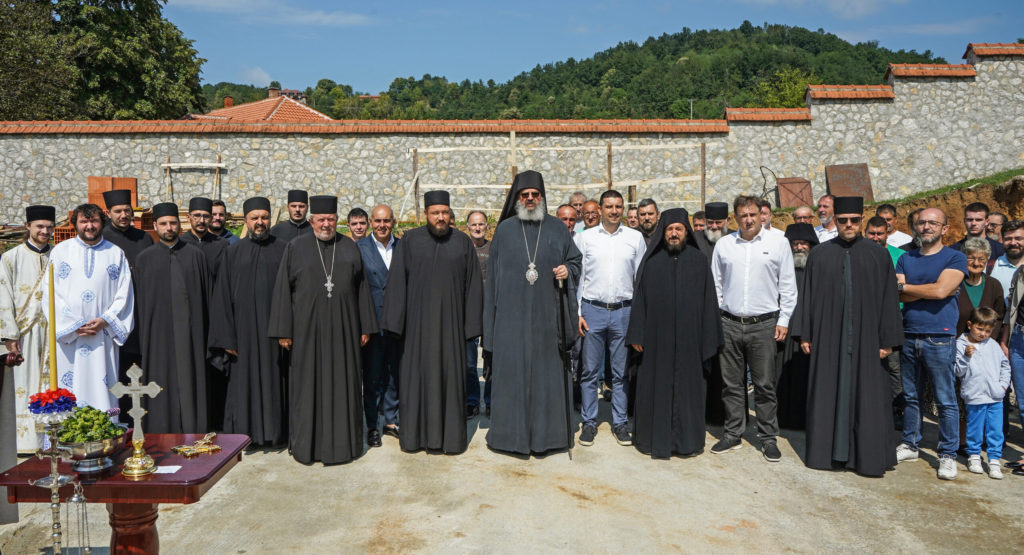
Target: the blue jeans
(932, 355)
(985, 422)
(1017, 368)
(473, 378)
(607, 329)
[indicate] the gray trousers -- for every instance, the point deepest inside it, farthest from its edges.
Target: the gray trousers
(753, 346)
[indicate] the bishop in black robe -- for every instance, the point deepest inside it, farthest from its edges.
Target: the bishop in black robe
(172, 305)
(674, 319)
(322, 302)
(714, 412)
(530, 383)
(433, 300)
(790, 361)
(850, 314)
(288, 230)
(253, 363)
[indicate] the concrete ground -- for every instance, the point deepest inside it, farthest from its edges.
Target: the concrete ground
(608, 499)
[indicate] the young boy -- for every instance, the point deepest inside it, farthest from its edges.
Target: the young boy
(985, 374)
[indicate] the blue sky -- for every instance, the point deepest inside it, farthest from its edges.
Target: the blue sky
(366, 45)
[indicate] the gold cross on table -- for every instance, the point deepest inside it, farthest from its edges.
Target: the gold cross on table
(139, 464)
(204, 445)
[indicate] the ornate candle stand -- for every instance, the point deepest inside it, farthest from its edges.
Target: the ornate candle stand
(55, 480)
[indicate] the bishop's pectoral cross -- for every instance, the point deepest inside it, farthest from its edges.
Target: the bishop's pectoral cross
(329, 285)
(139, 463)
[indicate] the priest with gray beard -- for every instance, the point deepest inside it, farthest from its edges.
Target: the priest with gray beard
(530, 253)
(716, 217)
(790, 362)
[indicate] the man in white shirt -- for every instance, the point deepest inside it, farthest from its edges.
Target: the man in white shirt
(756, 286)
(895, 237)
(1013, 255)
(827, 230)
(611, 255)
(765, 208)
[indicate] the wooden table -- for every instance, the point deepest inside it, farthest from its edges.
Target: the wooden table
(133, 503)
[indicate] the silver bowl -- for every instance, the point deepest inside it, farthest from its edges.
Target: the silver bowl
(93, 456)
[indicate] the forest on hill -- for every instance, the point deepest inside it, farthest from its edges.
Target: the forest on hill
(679, 75)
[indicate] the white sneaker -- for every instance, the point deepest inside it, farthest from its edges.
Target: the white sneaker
(974, 464)
(994, 470)
(905, 453)
(947, 468)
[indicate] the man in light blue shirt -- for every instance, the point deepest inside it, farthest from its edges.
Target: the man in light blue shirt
(1007, 264)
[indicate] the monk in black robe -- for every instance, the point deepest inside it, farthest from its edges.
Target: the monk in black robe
(255, 364)
(716, 216)
(172, 304)
(849, 323)
(132, 240)
(323, 313)
(674, 324)
(296, 224)
(790, 361)
(433, 301)
(200, 213)
(528, 404)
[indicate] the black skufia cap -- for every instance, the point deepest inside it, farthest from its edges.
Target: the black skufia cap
(200, 203)
(802, 232)
(40, 212)
(848, 205)
(298, 195)
(256, 203)
(716, 211)
(323, 204)
(117, 197)
(165, 209)
(436, 197)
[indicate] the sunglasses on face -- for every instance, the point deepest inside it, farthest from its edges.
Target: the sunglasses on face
(529, 194)
(851, 219)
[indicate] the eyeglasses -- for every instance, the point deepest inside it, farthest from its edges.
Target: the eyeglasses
(929, 223)
(200, 216)
(851, 219)
(802, 219)
(529, 194)
(982, 259)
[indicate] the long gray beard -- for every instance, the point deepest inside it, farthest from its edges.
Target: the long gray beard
(800, 259)
(535, 215)
(713, 236)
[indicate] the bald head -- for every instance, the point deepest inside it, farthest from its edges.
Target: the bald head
(930, 227)
(382, 221)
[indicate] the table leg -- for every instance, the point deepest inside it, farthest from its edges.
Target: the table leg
(133, 528)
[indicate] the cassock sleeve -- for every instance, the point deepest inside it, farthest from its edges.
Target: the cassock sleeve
(279, 325)
(573, 261)
(711, 319)
(800, 325)
(367, 312)
(637, 312)
(474, 293)
(392, 316)
(890, 329)
(222, 318)
(119, 315)
(8, 310)
(491, 287)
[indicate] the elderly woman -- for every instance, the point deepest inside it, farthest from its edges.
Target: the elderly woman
(979, 289)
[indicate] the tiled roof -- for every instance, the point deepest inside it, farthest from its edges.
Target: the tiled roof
(850, 91)
(212, 125)
(995, 49)
(767, 114)
(272, 110)
(930, 70)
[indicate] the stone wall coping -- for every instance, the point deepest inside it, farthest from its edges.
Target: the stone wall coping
(994, 49)
(767, 114)
(929, 70)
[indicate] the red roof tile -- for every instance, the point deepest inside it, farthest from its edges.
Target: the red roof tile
(930, 70)
(767, 114)
(281, 109)
(995, 49)
(850, 92)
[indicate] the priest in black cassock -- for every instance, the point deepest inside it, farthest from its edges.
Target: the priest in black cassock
(716, 217)
(520, 318)
(132, 240)
(255, 365)
(296, 224)
(790, 361)
(323, 313)
(433, 300)
(849, 323)
(674, 325)
(200, 214)
(173, 285)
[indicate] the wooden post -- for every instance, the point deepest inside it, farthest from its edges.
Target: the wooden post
(609, 165)
(216, 176)
(515, 164)
(416, 184)
(170, 188)
(703, 173)
(631, 196)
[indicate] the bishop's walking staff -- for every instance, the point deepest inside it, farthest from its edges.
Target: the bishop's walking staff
(565, 362)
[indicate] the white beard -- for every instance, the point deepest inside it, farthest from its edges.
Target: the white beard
(800, 259)
(713, 236)
(527, 215)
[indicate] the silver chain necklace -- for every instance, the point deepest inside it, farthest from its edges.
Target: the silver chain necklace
(531, 270)
(329, 284)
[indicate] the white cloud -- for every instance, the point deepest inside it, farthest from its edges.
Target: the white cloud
(959, 27)
(269, 11)
(845, 9)
(255, 75)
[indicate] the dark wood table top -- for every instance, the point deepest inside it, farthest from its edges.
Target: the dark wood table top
(195, 477)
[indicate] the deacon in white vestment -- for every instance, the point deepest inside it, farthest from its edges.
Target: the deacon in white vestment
(94, 304)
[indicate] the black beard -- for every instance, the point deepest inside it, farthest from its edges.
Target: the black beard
(439, 233)
(674, 249)
(647, 230)
(260, 236)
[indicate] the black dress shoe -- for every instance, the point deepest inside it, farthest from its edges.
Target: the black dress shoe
(391, 430)
(373, 438)
(472, 412)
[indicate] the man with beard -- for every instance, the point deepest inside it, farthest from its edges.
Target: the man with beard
(476, 222)
(567, 214)
(877, 230)
(255, 365)
(94, 302)
(915, 242)
(358, 222)
(218, 222)
(433, 300)
(296, 224)
(674, 327)
(994, 229)
(382, 353)
(929, 284)
(976, 225)
(23, 278)
(790, 361)
(647, 212)
(1013, 257)
(848, 325)
(827, 230)
(322, 312)
(591, 215)
(200, 213)
(530, 253)
(174, 285)
(699, 222)
(631, 218)
(717, 218)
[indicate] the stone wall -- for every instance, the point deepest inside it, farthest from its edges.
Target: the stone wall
(936, 131)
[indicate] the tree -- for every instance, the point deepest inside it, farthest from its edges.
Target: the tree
(36, 76)
(275, 84)
(785, 90)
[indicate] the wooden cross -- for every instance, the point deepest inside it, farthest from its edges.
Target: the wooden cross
(136, 390)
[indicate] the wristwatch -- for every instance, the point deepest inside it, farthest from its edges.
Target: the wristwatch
(899, 287)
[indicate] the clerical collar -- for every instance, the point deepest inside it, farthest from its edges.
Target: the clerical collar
(171, 247)
(87, 245)
(299, 224)
(32, 246)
